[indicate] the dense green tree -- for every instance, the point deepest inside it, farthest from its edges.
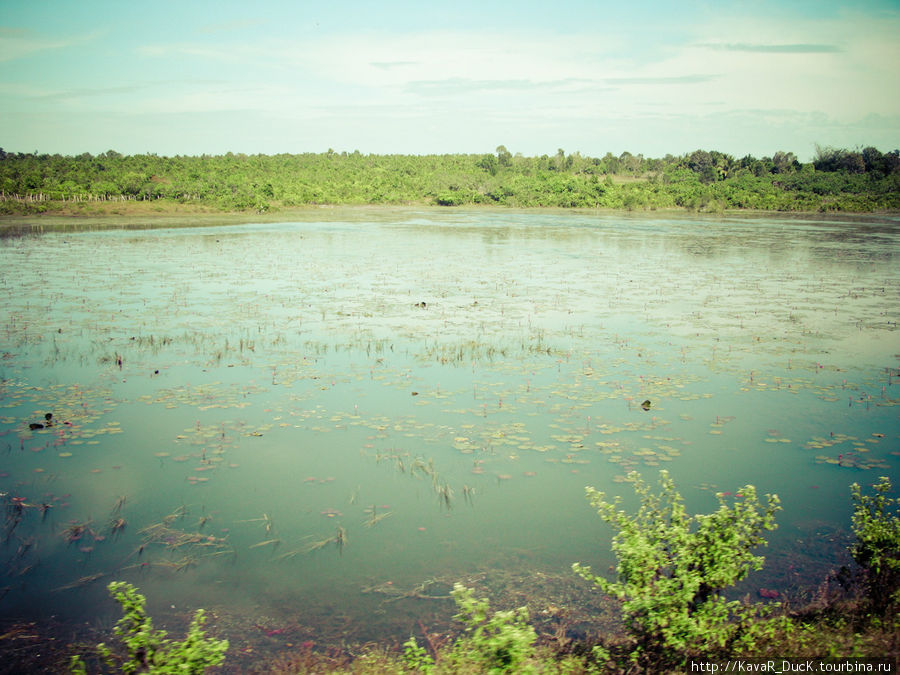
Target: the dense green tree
(785, 162)
(503, 156)
(488, 163)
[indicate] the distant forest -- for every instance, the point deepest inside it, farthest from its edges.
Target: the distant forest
(836, 180)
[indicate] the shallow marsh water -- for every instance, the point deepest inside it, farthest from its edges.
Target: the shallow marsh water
(298, 422)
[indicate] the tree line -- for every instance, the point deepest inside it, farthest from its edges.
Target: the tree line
(835, 180)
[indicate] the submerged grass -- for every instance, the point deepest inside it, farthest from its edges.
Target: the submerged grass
(834, 623)
(837, 629)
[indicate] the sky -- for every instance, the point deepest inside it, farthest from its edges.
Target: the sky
(420, 77)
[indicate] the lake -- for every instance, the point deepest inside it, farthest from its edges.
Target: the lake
(313, 428)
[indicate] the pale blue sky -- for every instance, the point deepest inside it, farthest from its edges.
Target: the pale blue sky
(417, 77)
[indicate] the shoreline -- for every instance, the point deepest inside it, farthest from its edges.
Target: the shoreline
(140, 215)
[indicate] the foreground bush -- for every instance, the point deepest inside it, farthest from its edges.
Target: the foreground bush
(496, 643)
(877, 547)
(148, 650)
(672, 569)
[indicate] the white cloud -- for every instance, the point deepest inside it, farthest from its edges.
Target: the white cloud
(723, 76)
(724, 70)
(20, 43)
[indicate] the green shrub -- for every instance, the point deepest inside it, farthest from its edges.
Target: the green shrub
(453, 198)
(877, 547)
(148, 649)
(673, 567)
(503, 642)
(416, 657)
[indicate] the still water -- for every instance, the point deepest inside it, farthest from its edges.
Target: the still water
(320, 425)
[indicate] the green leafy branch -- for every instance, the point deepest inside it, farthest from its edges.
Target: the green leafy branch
(148, 649)
(877, 548)
(673, 567)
